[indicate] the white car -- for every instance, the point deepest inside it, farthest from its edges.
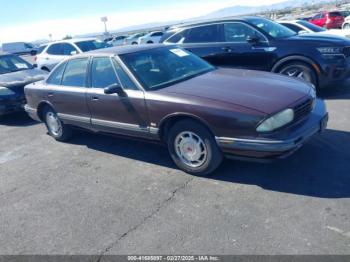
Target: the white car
(346, 24)
(151, 38)
(133, 39)
(304, 27)
(118, 40)
(51, 54)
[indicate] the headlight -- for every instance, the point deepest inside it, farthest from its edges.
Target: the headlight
(331, 50)
(276, 121)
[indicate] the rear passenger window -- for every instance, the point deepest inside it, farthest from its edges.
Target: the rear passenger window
(203, 34)
(102, 73)
(56, 75)
(125, 80)
(75, 73)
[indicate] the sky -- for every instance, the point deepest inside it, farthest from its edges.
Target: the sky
(29, 20)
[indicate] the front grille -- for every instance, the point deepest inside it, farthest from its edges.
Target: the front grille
(346, 51)
(303, 109)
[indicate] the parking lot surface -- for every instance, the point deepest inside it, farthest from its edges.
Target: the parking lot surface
(105, 195)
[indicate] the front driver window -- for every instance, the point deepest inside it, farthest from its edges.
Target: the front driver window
(102, 73)
(238, 32)
(75, 73)
(68, 49)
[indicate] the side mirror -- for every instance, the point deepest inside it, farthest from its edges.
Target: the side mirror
(253, 39)
(73, 53)
(115, 89)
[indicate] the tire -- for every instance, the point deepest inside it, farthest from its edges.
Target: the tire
(193, 140)
(294, 69)
(150, 42)
(134, 43)
(346, 26)
(58, 130)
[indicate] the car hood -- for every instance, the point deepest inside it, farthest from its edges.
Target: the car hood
(322, 38)
(261, 91)
(17, 80)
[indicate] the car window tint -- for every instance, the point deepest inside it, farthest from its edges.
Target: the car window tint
(238, 32)
(178, 37)
(157, 34)
(55, 49)
(125, 80)
(295, 28)
(334, 14)
(41, 49)
(203, 34)
(75, 73)
(56, 75)
(68, 49)
(102, 73)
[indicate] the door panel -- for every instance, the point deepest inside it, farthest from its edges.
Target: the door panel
(70, 104)
(238, 53)
(69, 96)
(112, 113)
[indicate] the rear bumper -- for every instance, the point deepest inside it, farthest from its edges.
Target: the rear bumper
(279, 145)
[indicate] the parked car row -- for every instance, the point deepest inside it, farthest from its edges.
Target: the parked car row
(185, 93)
(167, 94)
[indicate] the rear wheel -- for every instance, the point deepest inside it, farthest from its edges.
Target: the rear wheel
(346, 26)
(56, 128)
(193, 148)
(300, 70)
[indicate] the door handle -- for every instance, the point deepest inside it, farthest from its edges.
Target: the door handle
(50, 94)
(94, 98)
(227, 49)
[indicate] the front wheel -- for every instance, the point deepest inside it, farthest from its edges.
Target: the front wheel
(193, 148)
(300, 70)
(56, 128)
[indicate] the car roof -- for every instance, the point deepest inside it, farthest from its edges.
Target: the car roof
(73, 40)
(216, 20)
(120, 50)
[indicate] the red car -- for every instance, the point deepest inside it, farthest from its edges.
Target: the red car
(329, 20)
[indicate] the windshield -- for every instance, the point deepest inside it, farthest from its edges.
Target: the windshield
(272, 28)
(12, 63)
(312, 27)
(90, 45)
(162, 67)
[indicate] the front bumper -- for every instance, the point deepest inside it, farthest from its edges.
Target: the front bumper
(9, 106)
(335, 71)
(278, 145)
(32, 113)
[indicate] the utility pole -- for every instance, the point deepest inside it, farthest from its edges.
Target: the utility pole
(104, 20)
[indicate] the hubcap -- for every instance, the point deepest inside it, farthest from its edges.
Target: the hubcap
(298, 72)
(53, 123)
(191, 149)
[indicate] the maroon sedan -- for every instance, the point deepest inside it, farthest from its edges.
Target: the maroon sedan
(168, 94)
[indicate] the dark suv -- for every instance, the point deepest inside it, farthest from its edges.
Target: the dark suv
(261, 44)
